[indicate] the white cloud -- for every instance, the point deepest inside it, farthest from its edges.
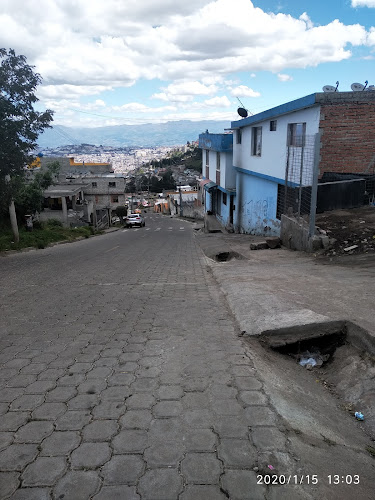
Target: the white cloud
(184, 91)
(219, 102)
(304, 17)
(371, 37)
(84, 48)
(117, 43)
(172, 98)
(363, 3)
(69, 91)
(190, 88)
(284, 78)
(131, 106)
(244, 91)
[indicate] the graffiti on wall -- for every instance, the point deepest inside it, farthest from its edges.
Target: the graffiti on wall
(258, 217)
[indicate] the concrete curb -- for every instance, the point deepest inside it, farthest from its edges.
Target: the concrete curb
(53, 244)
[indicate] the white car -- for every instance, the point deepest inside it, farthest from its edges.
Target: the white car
(134, 220)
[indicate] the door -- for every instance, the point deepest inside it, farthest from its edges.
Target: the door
(231, 208)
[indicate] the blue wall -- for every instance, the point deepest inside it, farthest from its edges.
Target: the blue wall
(256, 206)
(216, 142)
(208, 201)
(225, 215)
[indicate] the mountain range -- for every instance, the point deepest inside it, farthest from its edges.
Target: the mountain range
(146, 135)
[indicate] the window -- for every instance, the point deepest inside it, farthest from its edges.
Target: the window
(112, 184)
(239, 136)
(207, 164)
(207, 172)
(94, 184)
(296, 134)
(256, 141)
(273, 125)
(114, 199)
(217, 161)
(224, 198)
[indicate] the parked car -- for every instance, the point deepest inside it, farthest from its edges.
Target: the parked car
(134, 220)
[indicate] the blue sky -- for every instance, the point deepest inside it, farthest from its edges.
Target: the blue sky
(113, 63)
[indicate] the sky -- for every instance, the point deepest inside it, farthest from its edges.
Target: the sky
(119, 62)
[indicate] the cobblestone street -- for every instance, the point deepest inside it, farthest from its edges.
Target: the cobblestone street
(123, 376)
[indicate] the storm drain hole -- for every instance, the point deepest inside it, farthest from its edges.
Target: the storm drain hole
(313, 351)
(223, 256)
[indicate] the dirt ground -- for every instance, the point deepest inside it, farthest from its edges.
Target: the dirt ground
(349, 228)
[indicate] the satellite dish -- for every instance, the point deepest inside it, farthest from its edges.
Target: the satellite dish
(371, 87)
(242, 112)
(329, 88)
(357, 87)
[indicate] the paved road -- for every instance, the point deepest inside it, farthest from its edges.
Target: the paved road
(120, 373)
(123, 377)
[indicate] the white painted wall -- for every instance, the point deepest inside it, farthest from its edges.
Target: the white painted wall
(227, 172)
(274, 144)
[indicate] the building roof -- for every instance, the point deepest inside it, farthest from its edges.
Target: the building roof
(307, 101)
(60, 190)
(210, 185)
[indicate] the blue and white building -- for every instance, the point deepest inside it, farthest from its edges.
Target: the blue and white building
(266, 147)
(259, 157)
(219, 176)
(260, 146)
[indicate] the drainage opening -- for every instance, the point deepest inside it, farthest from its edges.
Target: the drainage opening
(223, 256)
(314, 351)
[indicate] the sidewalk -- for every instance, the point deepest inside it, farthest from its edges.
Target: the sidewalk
(270, 290)
(286, 288)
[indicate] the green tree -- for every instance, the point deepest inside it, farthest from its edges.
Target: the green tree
(121, 211)
(20, 123)
(168, 181)
(130, 186)
(29, 194)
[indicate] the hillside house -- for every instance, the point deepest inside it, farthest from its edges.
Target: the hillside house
(85, 191)
(219, 177)
(265, 144)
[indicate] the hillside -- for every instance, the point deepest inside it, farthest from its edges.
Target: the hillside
(146, 135)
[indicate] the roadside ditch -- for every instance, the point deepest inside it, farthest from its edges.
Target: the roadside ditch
(340, 356)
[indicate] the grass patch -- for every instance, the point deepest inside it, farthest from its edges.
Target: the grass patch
(42, 236)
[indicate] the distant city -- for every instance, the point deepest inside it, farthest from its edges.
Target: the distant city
(123, 159)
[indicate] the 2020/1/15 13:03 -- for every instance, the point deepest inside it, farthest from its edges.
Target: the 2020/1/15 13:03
(333, 479)
(339, 479)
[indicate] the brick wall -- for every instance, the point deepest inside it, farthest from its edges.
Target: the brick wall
(348, 139)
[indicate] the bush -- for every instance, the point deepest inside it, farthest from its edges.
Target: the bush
(54, 223)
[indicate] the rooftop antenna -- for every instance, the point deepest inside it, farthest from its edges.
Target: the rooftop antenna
(358, 87)
(337, 85)
(243, 112)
